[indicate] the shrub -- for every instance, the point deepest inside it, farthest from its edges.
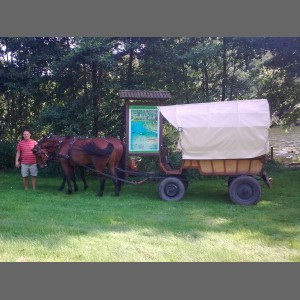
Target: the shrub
(7, 155)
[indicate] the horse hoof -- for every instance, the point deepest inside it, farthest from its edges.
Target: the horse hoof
(69, 192)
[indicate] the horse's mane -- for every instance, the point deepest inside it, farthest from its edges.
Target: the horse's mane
(92, 149)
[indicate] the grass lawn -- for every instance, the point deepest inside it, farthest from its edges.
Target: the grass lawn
(49, 226)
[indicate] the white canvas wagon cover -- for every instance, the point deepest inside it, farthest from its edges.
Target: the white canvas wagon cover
(221, 130)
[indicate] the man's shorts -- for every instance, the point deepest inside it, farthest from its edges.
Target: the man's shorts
(29, 169)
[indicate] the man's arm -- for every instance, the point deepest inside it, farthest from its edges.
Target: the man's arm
(17, 163)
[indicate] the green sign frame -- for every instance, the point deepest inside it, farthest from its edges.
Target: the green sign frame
(144, 129)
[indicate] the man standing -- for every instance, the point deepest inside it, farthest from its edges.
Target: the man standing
(28, 159)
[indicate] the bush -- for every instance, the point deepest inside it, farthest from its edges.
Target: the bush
(7, 155)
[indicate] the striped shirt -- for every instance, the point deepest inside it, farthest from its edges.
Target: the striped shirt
(25, 148)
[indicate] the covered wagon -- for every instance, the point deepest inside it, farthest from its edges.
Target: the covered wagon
(228, 138)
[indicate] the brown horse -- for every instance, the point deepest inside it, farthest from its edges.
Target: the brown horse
(48, 153)
(96, 152)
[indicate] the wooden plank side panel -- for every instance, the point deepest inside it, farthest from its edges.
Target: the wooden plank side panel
(190, 164)
(218, 166)
(225, 166)
(185, 163)
(231, 166)
(206, 167)
(243, 166)
(195, 164)
(256, 166)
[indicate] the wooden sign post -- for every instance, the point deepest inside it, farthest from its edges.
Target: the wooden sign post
(143, 135)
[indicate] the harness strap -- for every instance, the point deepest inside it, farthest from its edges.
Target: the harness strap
(68, 155)
(113, 177)
(70, 147)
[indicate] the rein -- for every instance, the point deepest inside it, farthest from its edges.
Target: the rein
(113, 177)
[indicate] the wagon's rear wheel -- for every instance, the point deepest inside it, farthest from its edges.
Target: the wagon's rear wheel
(244, 190)
(171, 189)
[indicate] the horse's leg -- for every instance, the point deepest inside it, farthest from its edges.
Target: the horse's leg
(116, 182)
(82, 175)
(119, 183)
(62, 186)
(117, 187)
(99, 164)
(73, 178)
(69, 184)
(68, 173)
(102, 180)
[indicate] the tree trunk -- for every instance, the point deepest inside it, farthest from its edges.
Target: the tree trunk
(224, 71)
(130, 69)
(95, 99)
(232, 81)
(85, 81)
(205, 79)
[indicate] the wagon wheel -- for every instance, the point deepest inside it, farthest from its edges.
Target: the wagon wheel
(171, 189)
(244, 190)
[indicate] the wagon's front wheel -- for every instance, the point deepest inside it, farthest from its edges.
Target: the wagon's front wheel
(171, 189)
(244, 190)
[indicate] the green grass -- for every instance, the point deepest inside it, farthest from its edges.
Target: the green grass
(49, 226)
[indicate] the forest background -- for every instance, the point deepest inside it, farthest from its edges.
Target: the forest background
(70, 85)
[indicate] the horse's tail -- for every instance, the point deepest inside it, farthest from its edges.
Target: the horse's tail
(92, 149)
(122, 163)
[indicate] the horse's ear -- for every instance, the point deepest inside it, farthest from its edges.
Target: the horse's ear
(138, 159)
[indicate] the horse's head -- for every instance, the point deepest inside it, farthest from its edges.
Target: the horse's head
(50, 142)
(41, 156)
(133, 163)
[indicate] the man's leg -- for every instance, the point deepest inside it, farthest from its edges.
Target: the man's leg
(25, 173)
(33, 180)
(25, 181)
(33, 174)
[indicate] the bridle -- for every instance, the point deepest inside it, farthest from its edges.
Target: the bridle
(55, 153)
(42, 154)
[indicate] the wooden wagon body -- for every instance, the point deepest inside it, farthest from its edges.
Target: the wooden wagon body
(223, 167)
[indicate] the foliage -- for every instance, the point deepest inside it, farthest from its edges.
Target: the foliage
(70, 85)
(74, 119)
(7, 155)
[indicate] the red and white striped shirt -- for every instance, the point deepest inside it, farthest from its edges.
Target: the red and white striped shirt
(25, 147)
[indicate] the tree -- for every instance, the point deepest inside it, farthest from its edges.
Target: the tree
(70, 85)
(26, 74)
(279, 79)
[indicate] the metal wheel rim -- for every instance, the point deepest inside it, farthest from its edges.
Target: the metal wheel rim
(244, 191)
(171, 190)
